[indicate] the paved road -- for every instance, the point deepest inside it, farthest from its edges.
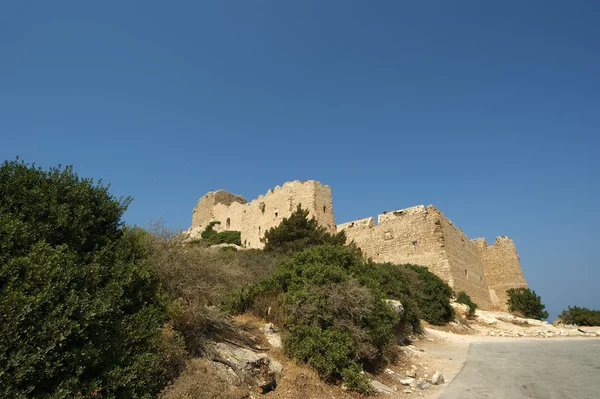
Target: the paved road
(529, 369)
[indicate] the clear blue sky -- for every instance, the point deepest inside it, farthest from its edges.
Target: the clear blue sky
(489, 110)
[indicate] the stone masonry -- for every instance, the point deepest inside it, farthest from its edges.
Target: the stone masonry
(424, 236)
(419, 235)
(502, 268)
(253, 218)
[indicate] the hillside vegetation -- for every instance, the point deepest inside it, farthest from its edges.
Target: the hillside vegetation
(580, 316)
(80, 311)
(90, 307)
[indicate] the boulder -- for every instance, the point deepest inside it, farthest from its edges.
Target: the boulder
(396, 305)
(437, 378)
(248, 365)
(460, 309)
(407, 381)
(272, 334)
(381, 388)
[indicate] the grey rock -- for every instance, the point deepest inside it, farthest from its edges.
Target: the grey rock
(437, 378)
(275, 367)
(407, 381)
(396, 305)
(381, 388)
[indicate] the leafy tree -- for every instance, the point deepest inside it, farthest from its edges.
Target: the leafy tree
(79, 310)
(525, 301)
(211, 237)
(580, 316)
(465, 299)
(298, 232)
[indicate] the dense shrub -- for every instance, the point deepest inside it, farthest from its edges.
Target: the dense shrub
(211, 237)
(396, 282)
(465, 299)
(580, 316)
(298, 232)
(333, 321)
(80, 311)
(526, 302)
(432, 296)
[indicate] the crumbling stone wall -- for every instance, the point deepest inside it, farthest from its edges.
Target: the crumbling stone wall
(219, 205)
(254, 218)
(417, 235)
(425, 237)
(502, 268)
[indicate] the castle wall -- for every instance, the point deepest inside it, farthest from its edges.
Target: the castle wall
(268, 210)
(411, 235)
(466, 266)
(219, 205)
(502, 269)
(417, 235)
(254, 218)
(424, 237)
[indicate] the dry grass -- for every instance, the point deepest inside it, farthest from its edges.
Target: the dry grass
(197, 279)
(200, 380)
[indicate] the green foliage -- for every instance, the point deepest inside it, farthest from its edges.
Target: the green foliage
(525, 301)
(80, 310)
(432, 296)
(580, 316)
(297, 233)
(334, 321)
(399, 283)
(211, 237)
(465, 299)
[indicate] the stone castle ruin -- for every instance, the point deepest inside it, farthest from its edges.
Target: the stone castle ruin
(419, 235)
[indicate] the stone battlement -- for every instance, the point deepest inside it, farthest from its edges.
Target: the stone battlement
(419, 235)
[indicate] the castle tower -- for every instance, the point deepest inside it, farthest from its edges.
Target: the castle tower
(502, 268)
(256, 217)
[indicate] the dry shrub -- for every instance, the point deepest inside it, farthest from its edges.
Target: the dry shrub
(197, 279)
(270, 307)
(200, 380)
(207, 275)
(172, 349)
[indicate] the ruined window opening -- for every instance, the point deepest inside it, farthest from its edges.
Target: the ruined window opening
(258, 230)
(415, 243)
(227, 223)
(324, 208)
(466, 273)
(276, 214)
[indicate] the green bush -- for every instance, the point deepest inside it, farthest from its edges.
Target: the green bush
(333, 321)
(297, 233)
(580, 316)
(432, 296)
(80, 311)
(211, 237)
(423, 294)
(526, 302)
(465, 299)
(396, 282)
